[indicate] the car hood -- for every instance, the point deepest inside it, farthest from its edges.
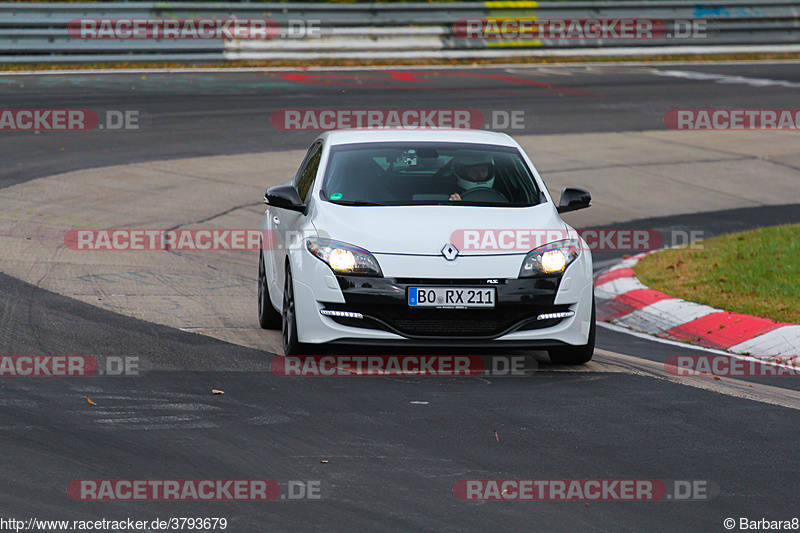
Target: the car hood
(425, 230)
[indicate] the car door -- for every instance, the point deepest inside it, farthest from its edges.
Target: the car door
(287, 226)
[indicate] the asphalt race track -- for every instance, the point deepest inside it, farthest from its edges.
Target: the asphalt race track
(386, 452)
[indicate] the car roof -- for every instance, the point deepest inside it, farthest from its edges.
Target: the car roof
(366, 135)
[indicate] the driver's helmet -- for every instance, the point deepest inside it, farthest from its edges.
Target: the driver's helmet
(469, 172)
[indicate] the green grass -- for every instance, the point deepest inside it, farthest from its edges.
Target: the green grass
(755, 273)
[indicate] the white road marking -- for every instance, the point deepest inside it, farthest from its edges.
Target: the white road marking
(728, 386)
(725, 79)
(783, 341)
(664, 315)
(616, 287)
(653, 338)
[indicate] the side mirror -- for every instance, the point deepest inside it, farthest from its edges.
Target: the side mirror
(573, 198)
(284, 197)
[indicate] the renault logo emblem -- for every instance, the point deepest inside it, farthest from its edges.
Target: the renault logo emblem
(449, 252)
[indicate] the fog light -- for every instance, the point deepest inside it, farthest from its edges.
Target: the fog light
(562, 314)
(341, 314)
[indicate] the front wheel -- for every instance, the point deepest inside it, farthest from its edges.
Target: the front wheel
(576, 355)
(291, 346)
(268, 317)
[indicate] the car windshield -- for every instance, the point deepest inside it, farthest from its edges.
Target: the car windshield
(428, 174)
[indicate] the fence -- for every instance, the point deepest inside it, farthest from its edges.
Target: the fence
(38, 32)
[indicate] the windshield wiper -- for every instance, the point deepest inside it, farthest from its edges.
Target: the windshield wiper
(355, 202)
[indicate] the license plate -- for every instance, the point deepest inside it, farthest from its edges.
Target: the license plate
(453, 297)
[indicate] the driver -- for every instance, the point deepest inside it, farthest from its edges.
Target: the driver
(472, 171)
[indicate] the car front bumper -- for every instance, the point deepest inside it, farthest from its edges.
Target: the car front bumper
(386, 318)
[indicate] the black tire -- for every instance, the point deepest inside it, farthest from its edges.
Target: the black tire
(291, 346)
(576, 355)
(268, 317)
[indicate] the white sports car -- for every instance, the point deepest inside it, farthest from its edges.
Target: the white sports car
(424, 238)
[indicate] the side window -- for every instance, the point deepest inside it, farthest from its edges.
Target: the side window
(305, 176)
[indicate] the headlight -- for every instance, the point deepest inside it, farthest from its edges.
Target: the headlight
(344, 258)
(551, 258)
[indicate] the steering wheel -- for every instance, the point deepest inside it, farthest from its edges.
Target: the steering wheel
(483, 194)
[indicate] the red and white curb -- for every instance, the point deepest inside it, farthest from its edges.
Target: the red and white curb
(623, 300)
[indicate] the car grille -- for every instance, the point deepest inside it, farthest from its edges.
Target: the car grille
(450, 327)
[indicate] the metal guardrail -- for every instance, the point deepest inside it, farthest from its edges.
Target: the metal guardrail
(37, 32)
